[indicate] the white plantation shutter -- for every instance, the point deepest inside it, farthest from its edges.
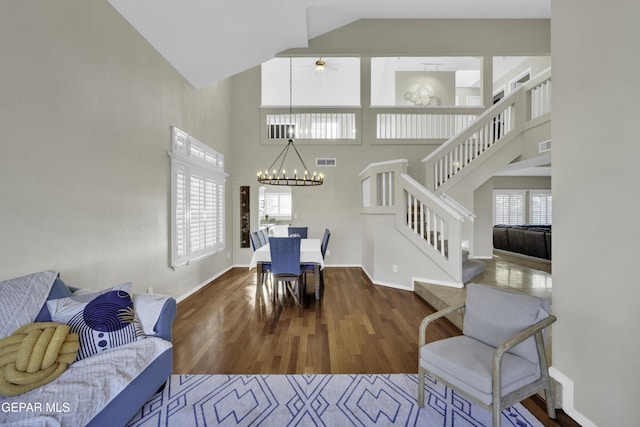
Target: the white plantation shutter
(220, 216)
(197, 198)
(541, 208)
(180, 213)
(509, 207)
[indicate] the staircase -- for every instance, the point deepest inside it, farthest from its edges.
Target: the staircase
(432, 216)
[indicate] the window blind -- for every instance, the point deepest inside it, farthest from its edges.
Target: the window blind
(197, 198)
(509, 207)
(540, 208)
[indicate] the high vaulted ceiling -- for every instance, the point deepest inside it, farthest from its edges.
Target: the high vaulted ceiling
(209, 40)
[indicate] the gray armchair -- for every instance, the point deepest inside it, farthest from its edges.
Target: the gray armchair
(500, 358)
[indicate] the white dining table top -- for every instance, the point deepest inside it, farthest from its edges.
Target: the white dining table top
(310, 253)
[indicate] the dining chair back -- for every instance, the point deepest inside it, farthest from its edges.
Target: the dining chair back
(264, 234)
(261, 239)
(285, 264)
(298, 232)
(255, 241)
(325, 242)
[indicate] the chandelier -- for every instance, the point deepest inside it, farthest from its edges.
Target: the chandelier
(276, 174)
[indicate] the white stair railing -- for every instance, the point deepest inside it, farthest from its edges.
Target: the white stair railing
(429, 222)
(434, 223)
(508, 117)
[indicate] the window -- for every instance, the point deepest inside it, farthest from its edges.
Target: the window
(540, 207)
(509, 207)
(277, 205)
(197, 199)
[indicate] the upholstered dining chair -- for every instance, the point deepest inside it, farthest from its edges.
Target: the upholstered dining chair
(323, 249)
(500, 358)
(285, 265)
(264, 234)
(298, 231)
(256, 243)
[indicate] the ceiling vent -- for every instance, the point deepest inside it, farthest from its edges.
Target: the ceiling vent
(325, 161)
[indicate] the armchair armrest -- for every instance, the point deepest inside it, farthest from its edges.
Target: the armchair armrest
(432, 317)
(517, 339)
(536, 330)
(163, 327)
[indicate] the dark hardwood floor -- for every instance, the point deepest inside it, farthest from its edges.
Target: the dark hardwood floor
(230, 327)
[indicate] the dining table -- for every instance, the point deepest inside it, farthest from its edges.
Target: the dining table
(310, 254)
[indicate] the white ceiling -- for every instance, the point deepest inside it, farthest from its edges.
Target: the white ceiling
(208, 40)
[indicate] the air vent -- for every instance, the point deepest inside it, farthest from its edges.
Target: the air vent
(325, 162)
(544, 146)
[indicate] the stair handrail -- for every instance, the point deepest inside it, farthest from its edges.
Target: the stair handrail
(496, 124)
(470, 144)
(458, 207)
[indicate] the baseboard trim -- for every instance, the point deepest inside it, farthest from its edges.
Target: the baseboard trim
(567, 398)
(437, 282)
(203, 284)
(387, 284)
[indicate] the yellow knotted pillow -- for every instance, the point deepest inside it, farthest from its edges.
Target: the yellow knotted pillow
(35, 355)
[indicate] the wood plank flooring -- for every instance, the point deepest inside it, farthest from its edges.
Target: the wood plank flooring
(230, 327)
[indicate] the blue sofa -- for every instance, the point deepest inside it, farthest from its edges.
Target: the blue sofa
(123, 407)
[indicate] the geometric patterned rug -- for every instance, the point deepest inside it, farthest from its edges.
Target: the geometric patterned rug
(314, 400)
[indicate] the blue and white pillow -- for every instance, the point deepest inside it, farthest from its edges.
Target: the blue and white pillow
(102, 320)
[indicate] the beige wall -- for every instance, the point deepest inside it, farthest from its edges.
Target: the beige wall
(595, 208)
(85, 125)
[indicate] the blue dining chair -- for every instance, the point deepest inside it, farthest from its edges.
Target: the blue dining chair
(264, 233)
(325, 242)
(323, 250)
(298, 231)
(255, 242)
(285, 265)
(261, 238)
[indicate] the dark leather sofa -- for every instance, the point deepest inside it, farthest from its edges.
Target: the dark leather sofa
(531, 240)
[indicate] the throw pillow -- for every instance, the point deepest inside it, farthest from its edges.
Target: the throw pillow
(102, 320)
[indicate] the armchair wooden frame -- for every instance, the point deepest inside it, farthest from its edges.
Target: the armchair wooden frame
(499, 402)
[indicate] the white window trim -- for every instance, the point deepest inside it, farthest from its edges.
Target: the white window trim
(190, 158)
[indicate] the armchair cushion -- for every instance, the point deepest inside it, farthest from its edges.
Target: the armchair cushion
(493, 316)
(466, 363)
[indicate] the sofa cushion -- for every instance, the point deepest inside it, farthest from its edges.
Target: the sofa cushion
(89, 385)
(102, 320)
(59, 289)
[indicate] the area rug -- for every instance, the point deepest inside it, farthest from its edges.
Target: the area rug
(314, 400)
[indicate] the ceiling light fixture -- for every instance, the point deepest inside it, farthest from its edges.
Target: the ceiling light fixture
(320, 64)
(278, 176)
